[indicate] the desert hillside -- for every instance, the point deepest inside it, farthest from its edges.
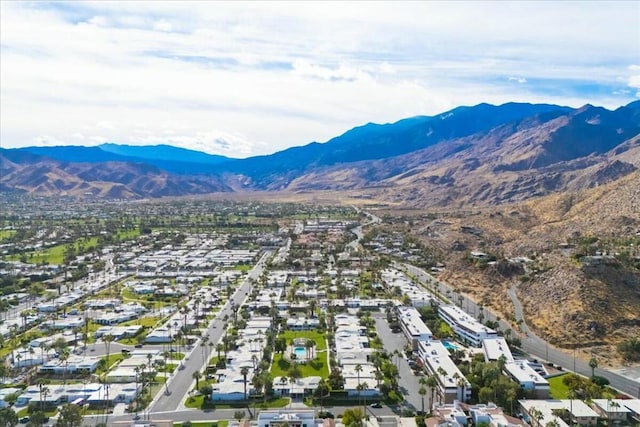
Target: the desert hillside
(580, 281)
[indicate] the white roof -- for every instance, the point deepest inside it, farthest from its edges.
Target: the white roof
(496, 347)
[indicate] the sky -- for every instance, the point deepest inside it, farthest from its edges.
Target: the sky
(249, 78)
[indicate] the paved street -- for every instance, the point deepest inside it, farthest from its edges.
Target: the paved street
(181, 381)
(409, 383)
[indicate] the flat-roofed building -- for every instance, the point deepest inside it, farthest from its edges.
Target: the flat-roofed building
(520, 371)
(412, 326)
(283, 386)
(278, 418)
(493, 416)
(447, 415)
(495, 348)
(579, 412)
(73, 364)
(633, 405)
(613, 410)
(527, 378)
(452, 384)
(465, 326)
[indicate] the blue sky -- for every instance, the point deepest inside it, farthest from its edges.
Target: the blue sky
(243, 78)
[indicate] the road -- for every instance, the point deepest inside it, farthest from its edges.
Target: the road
(535, 345)
(181, 382)
(409, 383)
(531, 343)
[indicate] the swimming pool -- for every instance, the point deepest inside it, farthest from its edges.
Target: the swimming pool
(449, 346)
(300, 352)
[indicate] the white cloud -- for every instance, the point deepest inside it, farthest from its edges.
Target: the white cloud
(251, 78)
(520, 80)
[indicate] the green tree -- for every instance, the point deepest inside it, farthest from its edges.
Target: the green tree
(422, 391)
(353, 417)
(244, 371)
(37, 419)
(593, 364)
(196, 375)
(70, 416)
(8, 417)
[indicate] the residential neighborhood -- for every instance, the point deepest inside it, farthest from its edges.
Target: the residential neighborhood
(291, 318)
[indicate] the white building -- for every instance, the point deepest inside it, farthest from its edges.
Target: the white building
(74, 364)
(299, 418)
(464, 325)
(452, 384)
(579, 411)
(518, 370)
(412, 325)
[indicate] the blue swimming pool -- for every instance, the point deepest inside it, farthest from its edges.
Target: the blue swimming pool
(449, 345)
(300, 352)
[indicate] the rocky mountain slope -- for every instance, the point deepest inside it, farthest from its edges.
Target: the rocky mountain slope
(532, 157)
(482, 155)
(38, 175)
(572, 257)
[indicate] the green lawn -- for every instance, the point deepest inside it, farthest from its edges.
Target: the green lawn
(55, 254)
(5, 234)
(129, 234)
(316, 367)
(557, 388)
(113, 359)
(145, 321)
(198, 402)
(318, 337)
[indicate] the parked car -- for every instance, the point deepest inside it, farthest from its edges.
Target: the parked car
(139, 345)
(376, 405)
(24, 420)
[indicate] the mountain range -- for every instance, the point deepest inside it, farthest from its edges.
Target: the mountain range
(483, 154)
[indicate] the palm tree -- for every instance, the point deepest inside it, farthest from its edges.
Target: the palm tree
(536, 416)
(363, 386)
(244, 372)
(107, 339)
(283, 381)
(322, 391)
(64, 357)
(165, 356)
(45, 392)
(312, 307)
(422, 391)
(219, 348)
(358, 369)
(196, 375)
(41, 387)
(292, 380)
(593, 364)
(203, 347)
(442, 372)
(137, 371)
